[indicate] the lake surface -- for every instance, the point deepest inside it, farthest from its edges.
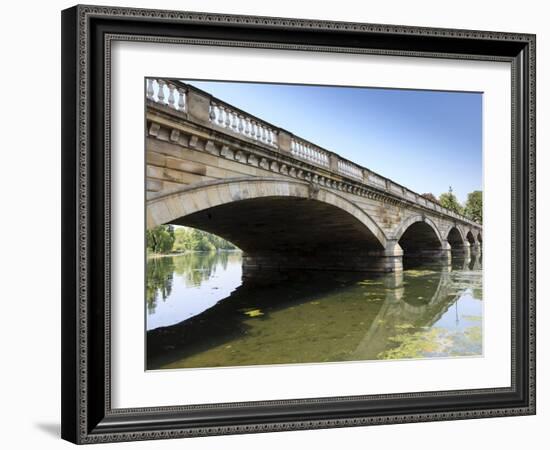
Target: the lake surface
(199, 313)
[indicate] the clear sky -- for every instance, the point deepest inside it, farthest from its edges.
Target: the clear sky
(424, 140)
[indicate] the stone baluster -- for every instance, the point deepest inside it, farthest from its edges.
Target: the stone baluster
(227, 120)
(181, 99)
(150, 92)
(221, 115)
(160, 95)
(212, 113)
(171, 96)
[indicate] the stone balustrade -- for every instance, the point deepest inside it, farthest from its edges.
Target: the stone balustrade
(219, 115)
(349, 169)
(166, 93)
(309, 152)
(224, 116)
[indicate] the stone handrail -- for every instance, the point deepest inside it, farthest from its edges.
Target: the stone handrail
(302, 149)
(218, 114)
(225, 116)
(166, 93)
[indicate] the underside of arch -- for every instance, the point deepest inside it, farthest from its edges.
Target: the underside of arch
(419, 236)
(455, 239)
(284, 224)
(278, 223)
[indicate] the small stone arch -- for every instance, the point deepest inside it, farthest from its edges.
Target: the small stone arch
(455, 237)
(413, 219)
(470, 238)
(427, 231)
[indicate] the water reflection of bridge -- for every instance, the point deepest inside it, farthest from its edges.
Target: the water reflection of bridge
(359, 329)
(423, 313)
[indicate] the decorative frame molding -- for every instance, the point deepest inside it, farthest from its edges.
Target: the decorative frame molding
(87, 34)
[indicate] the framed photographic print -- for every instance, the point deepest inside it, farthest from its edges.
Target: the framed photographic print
(277, 224)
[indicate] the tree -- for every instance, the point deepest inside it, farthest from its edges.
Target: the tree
(448, 200)
(474, 206)
(191, 239)
(430, 196)
(160, 239)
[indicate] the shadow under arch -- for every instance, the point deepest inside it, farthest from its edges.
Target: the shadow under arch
(277, 223)
(456, 238)
(470, 238)
(418, 235)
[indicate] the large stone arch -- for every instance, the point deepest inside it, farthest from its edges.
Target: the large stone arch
(203, 196)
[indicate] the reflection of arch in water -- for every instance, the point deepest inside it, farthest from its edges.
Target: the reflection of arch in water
(395, 309)
(227, 321)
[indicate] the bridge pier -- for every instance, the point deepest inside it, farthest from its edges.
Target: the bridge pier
(475, 248)
(274, 264)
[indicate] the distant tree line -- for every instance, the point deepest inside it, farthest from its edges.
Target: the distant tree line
(472, 209)
(168, 239)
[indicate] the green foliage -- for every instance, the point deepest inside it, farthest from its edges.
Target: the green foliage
(474, 206)
(191, 239)
(198, 267)
(160, 239)
(167, 239)
(448, 200)
(159, 280)
(417, 344)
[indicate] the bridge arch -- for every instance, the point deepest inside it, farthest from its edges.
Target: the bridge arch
(275, 221)
(455, 238)
(418, 234)
(470, 237)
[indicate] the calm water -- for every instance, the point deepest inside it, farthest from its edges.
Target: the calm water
(200, 313)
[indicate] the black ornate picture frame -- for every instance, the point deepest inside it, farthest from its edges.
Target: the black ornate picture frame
(87, 35)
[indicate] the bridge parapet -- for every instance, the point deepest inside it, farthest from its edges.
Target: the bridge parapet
(208, 111)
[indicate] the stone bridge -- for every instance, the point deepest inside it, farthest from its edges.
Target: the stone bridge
(286, 202)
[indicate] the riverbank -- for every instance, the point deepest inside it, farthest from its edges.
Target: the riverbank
(190, 252)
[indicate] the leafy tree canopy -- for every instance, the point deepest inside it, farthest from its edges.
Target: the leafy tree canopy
(474, 206)
(448, 200)
(167, 238)
(160, 239)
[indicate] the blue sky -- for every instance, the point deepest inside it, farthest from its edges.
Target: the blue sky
(424, 140)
